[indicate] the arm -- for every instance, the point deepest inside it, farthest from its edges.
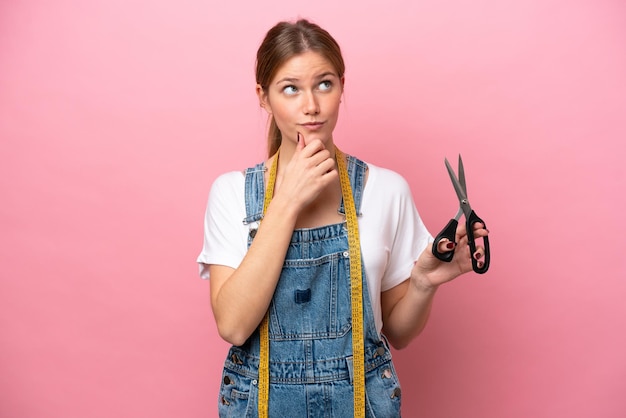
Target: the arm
(406, 309)
(240, 297)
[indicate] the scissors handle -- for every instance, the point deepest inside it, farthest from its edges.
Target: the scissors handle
(448, 232)
(471, 220)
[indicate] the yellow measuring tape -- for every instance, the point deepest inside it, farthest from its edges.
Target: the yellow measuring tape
(264, 354)
(356, 286)
(356, 294)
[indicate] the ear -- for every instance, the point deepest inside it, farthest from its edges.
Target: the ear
(263, 99)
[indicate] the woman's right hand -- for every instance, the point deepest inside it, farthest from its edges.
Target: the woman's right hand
(311, 169)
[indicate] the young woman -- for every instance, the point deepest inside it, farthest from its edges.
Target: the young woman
(310, 328)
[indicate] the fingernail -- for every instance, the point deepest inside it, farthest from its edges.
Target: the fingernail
(477, 255)
(480, 264)
(450, 245)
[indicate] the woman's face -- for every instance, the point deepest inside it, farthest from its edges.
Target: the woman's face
(304, 97)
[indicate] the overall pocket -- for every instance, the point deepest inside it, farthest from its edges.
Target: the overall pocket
(237, 397)
(312, 299)
(384, 396)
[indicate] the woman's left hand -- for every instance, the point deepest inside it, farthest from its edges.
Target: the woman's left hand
(430, 272)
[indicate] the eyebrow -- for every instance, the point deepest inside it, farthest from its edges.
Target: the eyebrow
(318, 77)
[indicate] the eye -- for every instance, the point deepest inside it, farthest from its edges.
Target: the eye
(325, 85)
(290, 90)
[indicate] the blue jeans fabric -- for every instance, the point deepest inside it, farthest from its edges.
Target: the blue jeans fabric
(310, 329)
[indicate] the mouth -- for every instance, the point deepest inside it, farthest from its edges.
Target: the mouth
(312, 126)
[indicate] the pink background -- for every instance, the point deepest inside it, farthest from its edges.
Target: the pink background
(116, 116)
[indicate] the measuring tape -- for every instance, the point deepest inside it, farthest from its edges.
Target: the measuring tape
(264, 354)
(356, 295)
(356, 286)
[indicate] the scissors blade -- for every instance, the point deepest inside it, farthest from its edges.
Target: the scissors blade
(462, 176)
(457, 185)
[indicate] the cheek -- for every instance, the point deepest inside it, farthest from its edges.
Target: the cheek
(284, 116)
(283, 120)
(282, 109)
(333, 107)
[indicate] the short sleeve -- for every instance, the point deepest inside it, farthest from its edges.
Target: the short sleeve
(394, 233)
(410, 238)
(225, 241)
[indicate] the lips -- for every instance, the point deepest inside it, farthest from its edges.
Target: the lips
(312, 126)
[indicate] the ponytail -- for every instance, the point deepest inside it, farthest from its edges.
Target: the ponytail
(274, 138)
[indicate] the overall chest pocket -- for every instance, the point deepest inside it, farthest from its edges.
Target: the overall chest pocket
(312, 299)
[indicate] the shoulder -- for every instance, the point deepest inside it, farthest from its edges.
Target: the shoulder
(385, 181)
(228, 187)
(228, 181)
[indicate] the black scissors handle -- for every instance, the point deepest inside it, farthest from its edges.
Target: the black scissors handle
(449, 232)
(486, 258)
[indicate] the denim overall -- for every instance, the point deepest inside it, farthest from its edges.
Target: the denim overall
(310, 328)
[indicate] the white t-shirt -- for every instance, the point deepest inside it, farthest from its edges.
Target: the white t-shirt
(391, 230)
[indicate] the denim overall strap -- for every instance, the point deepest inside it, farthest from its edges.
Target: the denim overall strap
(356, 172)
(255, 193)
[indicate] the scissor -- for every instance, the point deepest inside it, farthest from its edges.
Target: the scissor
(471, 218)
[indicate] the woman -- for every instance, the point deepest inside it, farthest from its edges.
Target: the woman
(282, 252)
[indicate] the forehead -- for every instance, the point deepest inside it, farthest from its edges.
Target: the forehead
(309, 64)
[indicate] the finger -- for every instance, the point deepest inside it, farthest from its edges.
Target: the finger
(479, 231)
(445, 245)
(480, 228)
(318, 144)
(300, 142)
(478, 225)
(461, 231)
(311, 147)
(479, 253)
(317, 154)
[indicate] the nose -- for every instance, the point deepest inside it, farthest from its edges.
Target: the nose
(311, 104)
